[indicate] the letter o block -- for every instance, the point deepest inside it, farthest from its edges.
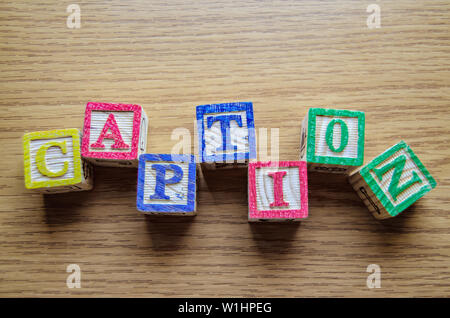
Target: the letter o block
(114, 134)
(226, 135)
(277, 191)
(53, 164)
(392, 181)
(167, 184)
(332, 140)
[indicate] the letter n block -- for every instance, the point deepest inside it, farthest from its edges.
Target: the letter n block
(277, 191)
(226, 134)
(167, 184)
(392, 181)
(332, 140)
(114, 134)
(53, 164)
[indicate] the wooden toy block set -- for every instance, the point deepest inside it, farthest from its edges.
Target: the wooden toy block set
(332, 141)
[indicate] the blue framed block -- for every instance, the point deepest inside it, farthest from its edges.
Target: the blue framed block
(167, 184)
(226, 132)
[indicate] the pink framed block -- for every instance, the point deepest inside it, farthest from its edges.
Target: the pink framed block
(277, 191)
(114, 134)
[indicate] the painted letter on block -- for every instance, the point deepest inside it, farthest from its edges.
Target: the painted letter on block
(278, 191)
(53, 163)
(392, 181)
(226, 133)
(167, 184)
(333, 140)
(114, 134)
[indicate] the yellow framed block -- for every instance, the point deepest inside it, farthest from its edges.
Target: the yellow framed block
(53, 164)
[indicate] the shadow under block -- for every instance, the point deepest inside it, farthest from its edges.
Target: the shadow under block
(53, 164)
(277, 191)
(114, 134)
(226, 135)
(167, 184)
(332, 140)
(392, 181)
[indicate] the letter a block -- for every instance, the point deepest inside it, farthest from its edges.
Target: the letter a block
(332, 140)
(226, 135)
(167, 184)
(53, 163)
(392, 181)
(114, 134)
(277, 191)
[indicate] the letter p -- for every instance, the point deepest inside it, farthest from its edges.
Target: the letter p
(161, 181)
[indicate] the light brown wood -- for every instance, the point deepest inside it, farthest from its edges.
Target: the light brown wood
(284, 56)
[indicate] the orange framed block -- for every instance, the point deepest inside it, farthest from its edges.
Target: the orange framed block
(53, 164)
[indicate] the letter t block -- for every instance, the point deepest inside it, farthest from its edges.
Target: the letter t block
(277, 191)
(226, 135)
(53, 164)
(114, 134)
(332, 140)
(392, 181)
(167, 184)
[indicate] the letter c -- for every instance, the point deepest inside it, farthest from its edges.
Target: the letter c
(40, 159)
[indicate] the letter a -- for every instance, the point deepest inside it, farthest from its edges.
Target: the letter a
(111, 124)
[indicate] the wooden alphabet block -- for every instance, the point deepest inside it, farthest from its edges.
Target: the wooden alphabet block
(226, 135)
(53, 164)
(332, 140)
(277, 191)
(167, 184)
(114, 134)
(392, 181)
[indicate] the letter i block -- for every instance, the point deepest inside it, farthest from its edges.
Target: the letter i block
(392, 181)
(277, 191)
(53, 163)
(114, 134)
(167, 184)
(332, 140)
(226, 135)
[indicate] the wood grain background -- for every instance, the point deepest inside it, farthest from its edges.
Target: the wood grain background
(170, 56)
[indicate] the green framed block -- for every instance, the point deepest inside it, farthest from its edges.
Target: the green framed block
(392, 181)
(333, 140)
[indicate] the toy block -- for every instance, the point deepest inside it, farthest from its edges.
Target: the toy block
(167, 184)
(114, 134)
(277, 191)
(226, 135)
(53, 164)
(392, 181)
(332, 140)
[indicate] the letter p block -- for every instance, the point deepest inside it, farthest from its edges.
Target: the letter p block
(277, 191)
(332, 140)
(114, 134)
(167, 184)
(53, 163)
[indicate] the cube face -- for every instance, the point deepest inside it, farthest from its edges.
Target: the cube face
(166, 184)
(335, 137)
(52, 158)
(114, 131)
(397, 178)
(226, 132)
(277, 191)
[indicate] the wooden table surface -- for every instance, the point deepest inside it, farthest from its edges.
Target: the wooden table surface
(169, 56)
